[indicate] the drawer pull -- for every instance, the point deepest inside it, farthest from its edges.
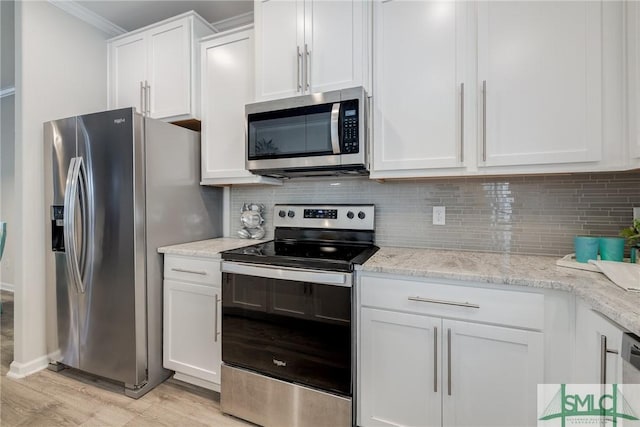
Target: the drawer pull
(437, 301)
(181, 270)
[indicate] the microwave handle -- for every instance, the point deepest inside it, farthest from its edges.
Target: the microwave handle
(335, 120)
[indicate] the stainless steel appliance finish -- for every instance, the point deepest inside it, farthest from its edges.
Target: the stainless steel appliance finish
(310, 135)
(278, 403)
(288, 317)
(118, 186)
(630, 359)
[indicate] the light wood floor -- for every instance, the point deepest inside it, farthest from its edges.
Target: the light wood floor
(68, 398)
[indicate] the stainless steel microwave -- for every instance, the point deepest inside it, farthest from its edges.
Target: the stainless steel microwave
(309, 135)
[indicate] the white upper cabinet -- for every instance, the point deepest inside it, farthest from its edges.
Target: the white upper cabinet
(169, 78)
(279, 39)
(227, 85)
(155, 69)
(419, 82)
(308, 46)
(633, 79)
(540, 82)
(127, 64)
(509, 87)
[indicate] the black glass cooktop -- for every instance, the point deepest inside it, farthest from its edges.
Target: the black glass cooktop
(312, 255)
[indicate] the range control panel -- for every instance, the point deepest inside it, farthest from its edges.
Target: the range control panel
(348, 217)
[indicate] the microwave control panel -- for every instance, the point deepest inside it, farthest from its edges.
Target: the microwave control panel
(350, 127)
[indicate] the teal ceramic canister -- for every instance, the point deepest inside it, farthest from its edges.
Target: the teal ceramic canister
(612, 248)
(586, 248)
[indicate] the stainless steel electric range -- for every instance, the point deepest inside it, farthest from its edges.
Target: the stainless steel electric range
(288, 346)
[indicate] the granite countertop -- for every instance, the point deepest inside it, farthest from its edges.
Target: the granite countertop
(604, 296)
(485, 267)
(208, 248)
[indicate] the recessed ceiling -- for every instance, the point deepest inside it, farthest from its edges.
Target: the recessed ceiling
(131, 15)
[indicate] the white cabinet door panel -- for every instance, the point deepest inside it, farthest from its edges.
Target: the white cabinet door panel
(128, 58)
(169, 70)
(633, 92)
(190, 346)
(279, 36)
(227, 85)
(334, 38)
(400, 357)
(541, 62)
(590, 348)
(491, 367)
(419, 68)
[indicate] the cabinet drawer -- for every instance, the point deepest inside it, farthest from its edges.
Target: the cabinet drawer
(197, 270)
(510, 308)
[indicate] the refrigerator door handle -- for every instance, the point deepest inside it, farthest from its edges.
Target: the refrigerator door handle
(70, 198)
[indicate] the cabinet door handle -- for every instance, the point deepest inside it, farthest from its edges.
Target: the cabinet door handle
(182, 270)
(148, 102)
(438, 301)
(215, 318)
(142, 98)
(449, 361)
(435, 359)
(461, 122)
(484, 120)
(307, 65)
(298, 63)
(603, 358)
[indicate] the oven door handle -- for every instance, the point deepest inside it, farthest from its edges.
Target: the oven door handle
(283, 273)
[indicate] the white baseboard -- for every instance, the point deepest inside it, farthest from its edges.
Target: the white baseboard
(21, 370)
(7, 287)
(196, 381)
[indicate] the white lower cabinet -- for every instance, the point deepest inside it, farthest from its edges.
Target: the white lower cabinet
(598, 348)
(494, 375)
(192, 320)
(399, 369)
(418, 369)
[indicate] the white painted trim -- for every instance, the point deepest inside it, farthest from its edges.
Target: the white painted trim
(88, 16)
(196, 381)
(227, 34)
(21, 370)
(7, 91)
(7, 287)
(233, 22)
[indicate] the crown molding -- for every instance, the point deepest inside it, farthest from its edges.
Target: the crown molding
(7, 91)
(91, 18)
(233, 22)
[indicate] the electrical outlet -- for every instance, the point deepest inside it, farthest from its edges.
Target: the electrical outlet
(636, 213)
(439, 215)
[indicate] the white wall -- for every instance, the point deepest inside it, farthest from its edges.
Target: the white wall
(7, 196)
(61, 71)
(7, 138)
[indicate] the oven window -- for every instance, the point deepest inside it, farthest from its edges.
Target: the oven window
(295, 331)
(298, 132)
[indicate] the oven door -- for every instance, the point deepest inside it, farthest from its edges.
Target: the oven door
(289, 324)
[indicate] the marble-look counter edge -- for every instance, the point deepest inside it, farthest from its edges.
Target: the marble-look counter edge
(209, 248)
(516, 270)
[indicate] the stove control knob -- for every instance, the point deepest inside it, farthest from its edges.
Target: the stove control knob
(361, 215)
(350, 215)
(282, 214)
(291, 214)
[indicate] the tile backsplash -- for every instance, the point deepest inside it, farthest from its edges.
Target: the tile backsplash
(517, 214)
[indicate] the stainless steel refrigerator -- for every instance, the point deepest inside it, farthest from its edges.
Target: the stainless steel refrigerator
(118, 186)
